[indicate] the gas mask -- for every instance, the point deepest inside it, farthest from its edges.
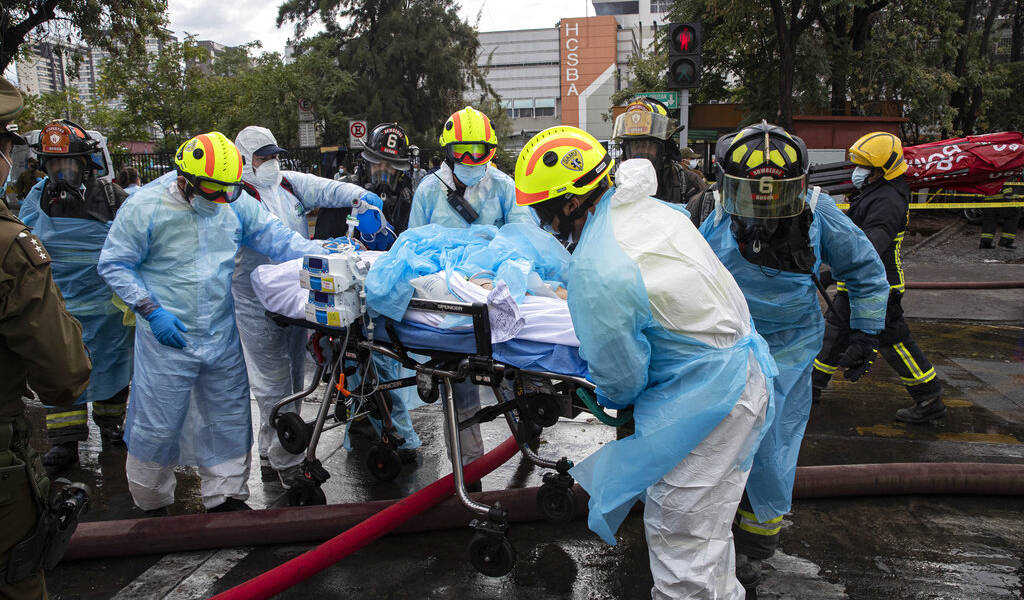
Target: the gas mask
(781, 244)
(649, 148)
(384, 177)
(66, 177)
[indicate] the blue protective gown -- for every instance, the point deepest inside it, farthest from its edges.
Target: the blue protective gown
(74, 246)
(493, 198)
(663, 328)
(786, 312)
(189, 406)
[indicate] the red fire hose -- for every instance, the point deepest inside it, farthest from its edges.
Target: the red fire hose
(306, 565)
(963, 285)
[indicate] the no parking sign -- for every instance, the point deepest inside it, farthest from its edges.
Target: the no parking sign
(356, 133)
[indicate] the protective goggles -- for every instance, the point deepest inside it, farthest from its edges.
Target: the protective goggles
(764, 198)
(470, 153)
(216, 191)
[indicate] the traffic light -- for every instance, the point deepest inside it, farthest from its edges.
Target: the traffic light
(684, 63)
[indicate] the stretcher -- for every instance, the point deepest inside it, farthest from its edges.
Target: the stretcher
(534, 383)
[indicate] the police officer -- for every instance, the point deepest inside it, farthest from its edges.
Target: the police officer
(881, 210)
(645, 131)
(40, 346)
(386, 169)
(71, 212)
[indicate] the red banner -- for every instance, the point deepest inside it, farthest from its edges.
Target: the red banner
(977, 164)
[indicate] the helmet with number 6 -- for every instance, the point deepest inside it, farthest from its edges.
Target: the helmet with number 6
(762, 172)
(388, 143)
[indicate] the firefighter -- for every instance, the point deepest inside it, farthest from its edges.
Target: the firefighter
(881, 210)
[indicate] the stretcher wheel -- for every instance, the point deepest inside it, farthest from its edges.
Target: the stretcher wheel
(383, 462)
(543, 410)
(293, 432)
(306, 495)
(557, 503)
(491, 555)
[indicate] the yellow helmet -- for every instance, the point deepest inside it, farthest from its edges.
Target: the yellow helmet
(467, 137)
(212, 166)
(882, 150)
(644, 118)
(559, 161)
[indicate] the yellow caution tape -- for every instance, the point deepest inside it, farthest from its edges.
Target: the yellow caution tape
(948, 205)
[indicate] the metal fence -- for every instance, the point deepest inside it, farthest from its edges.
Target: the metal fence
(154, 164)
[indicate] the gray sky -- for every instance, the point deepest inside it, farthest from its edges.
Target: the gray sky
(238, 23)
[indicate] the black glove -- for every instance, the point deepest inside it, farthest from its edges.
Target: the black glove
(825, 277)
(859, 354)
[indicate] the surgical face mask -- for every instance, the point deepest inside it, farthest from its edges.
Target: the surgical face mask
(204, 207)
(859, 177)
(470, 175)
(693, 163)
(268, 174)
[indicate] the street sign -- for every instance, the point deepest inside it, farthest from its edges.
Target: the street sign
(305, 105)
(307, 135)
(669, 99)
(356, 133)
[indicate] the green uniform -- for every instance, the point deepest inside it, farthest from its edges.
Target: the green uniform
(41, 346)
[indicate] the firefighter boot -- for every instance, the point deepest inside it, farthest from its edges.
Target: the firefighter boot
(1007, 243)
(61, 456)
(985, 244)
(748, 572)
(923, 410)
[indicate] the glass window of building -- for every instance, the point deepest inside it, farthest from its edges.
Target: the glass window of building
(544, 107)
(507, 105)
(661, 6)
(617, 8)
(523, 108)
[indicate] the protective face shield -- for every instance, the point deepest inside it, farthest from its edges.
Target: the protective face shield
(268, 174)
(859, 177)
(763, 198)
(470, 175)
(383, 174)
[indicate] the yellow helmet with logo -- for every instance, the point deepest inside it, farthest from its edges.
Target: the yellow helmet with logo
(212, 166)
(467, 137)
(882, 150)
(560, 161)
(644, 118)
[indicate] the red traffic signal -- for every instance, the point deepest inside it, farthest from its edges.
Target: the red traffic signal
(684, 55)
(684, 37)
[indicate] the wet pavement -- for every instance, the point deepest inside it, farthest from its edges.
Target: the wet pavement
(954, 547)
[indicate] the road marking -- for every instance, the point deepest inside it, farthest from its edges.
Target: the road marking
(184, 575)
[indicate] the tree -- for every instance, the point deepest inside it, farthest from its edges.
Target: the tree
(165, 90)
(412, 61)
(43, 108)
(113, 26)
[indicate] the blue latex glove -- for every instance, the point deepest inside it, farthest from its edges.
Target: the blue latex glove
(166, 328)
(371, 198)
(338, 244)
(369, 222)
